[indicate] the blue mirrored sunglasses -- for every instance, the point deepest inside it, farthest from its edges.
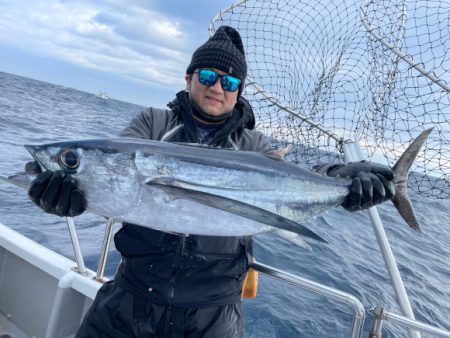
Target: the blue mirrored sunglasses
(209, 77)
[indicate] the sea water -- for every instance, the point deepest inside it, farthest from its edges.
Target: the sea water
(34, 112)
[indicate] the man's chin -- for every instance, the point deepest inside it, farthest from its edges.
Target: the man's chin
(212, 111)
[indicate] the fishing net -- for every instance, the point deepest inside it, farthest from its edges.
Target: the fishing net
(323, 73)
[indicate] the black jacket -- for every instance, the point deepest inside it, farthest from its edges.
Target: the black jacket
(186, 271)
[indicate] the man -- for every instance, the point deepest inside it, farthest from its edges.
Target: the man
(189, 286)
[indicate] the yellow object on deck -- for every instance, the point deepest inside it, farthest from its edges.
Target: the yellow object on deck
(250, 286)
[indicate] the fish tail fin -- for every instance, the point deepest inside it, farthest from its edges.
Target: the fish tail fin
(401, 169)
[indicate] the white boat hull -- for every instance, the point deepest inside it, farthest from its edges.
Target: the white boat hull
(40, 293)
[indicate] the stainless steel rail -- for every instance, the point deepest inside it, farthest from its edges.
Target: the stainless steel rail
(81, 268)
(105, 250)
(381, 314)
(326, 291)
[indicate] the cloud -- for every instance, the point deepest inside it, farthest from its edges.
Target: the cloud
(125, 39)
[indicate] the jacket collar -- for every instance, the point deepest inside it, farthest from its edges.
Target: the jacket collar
(241, 117)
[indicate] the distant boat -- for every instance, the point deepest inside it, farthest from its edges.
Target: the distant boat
(102, 95)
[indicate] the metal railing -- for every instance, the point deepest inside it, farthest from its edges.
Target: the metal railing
(359, 314)
(381, 314)
(105, 250)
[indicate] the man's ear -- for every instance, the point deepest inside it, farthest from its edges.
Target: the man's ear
(188, 78)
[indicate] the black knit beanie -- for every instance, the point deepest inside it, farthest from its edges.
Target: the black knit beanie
(224, 51)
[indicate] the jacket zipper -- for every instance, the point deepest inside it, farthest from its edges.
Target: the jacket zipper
(233, 144)
(176, 267)
(172, 131)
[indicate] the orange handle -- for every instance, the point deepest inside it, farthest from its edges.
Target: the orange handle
(250, 286)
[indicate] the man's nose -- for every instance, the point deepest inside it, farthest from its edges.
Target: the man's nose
(217, 87)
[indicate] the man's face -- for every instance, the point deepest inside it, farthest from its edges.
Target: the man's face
(212, 100)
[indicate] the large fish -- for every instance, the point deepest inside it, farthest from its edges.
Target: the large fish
(198, 190)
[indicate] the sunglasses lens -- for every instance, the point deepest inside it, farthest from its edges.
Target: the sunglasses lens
(207, 77)
(230, 83)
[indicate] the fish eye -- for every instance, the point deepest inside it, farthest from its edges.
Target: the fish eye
(69, 158)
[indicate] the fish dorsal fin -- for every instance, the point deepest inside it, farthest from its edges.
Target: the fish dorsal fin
(234, 207)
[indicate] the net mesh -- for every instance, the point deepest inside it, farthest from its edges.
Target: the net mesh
(322, 73)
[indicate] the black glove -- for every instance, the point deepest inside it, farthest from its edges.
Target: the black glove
(372, 184)
(56, 192)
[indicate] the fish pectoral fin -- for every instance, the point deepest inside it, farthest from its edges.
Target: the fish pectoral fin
(169, 181)
(293, 238)
(237, 208)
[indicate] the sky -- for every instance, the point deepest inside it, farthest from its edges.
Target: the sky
(135, 50)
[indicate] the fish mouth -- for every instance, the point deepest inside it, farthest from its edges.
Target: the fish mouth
(22, 180)
(31, 149)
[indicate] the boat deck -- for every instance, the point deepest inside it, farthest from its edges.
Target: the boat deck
(9, 330)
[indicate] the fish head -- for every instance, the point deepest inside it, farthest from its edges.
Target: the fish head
(65, 156)
(102, 168)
